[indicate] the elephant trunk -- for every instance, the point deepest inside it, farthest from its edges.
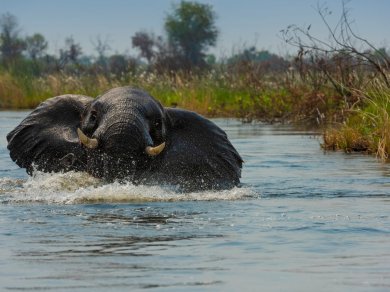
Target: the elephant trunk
(130, 132)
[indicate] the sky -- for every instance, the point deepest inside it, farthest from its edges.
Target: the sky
(241, 23)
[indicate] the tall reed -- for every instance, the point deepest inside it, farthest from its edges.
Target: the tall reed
(282, 96)
(368, 127)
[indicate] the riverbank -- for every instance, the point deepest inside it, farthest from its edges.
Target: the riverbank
(367, 128)
(358, 121)
(273, 97)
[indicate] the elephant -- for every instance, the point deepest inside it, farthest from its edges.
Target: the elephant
(126, 134)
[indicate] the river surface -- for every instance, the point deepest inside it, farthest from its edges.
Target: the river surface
(304, 220)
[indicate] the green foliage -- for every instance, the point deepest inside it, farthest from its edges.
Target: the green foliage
(36, 46)
(11, 45)
(145, 43)
(191, 29)
(368, 128)
(71, 52)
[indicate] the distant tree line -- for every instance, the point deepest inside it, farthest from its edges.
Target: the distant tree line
(190, 30)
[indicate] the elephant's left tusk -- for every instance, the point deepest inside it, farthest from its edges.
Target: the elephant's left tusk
(87, 142)
(153, 151)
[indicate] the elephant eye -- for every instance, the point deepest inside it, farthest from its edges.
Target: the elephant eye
(93, 116)
(157, 123)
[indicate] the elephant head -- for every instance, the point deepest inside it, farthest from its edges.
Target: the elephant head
(125, 134)
(122, 131)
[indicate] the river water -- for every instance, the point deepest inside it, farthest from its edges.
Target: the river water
(304, 220)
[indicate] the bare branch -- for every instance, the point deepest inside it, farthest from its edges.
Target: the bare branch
(342, 42)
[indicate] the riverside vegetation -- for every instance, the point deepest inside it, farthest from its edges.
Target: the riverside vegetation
(328, 84)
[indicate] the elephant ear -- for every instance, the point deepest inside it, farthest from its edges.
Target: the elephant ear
(47, 138)
(200, 152)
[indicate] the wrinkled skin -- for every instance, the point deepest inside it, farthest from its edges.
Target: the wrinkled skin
(124, 122)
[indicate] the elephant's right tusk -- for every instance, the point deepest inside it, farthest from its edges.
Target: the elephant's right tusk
(90, 143)
(153, 151)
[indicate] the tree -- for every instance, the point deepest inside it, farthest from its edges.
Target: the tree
(36, 45)
(159, 53)
(341, 50)
(11, 45)
(101, 46)
(191, 30)
(260, 59)
(71, 52)
(120, 65)
(145, 43)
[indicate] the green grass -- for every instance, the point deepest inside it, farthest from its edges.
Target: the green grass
(211, 94)
(368, 127)
(365, 127)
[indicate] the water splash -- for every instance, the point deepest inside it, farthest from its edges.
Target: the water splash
(79, 188)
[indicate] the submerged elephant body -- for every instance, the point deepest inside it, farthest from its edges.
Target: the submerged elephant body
(125, 134)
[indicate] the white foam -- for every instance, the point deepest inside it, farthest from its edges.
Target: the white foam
(77, 187)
